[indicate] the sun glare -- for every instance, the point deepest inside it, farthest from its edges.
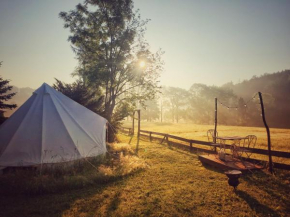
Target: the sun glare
(142, 64)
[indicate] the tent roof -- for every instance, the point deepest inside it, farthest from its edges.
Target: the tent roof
(49, 128)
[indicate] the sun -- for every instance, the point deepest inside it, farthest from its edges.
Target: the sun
(141, 64)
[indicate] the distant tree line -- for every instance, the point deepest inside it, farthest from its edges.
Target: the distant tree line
(236, 104)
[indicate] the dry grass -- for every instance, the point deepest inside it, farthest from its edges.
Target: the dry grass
(174, 184)
(117, 163)
(124, 164)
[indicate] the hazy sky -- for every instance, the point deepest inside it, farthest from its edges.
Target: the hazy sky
(211, 42)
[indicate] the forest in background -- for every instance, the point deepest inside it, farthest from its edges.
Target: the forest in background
(196, 105)
(238, 104)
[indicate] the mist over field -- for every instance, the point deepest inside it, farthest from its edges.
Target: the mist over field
(238, 104)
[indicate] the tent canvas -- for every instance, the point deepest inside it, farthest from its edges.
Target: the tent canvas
(51, 128)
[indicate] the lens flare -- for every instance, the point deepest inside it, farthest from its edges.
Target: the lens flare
(142, 64)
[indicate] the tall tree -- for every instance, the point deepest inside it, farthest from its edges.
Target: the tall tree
(201, 102)
(108, 40)
(177, 99)
(82, 94)
(5, 96)
(151, 110)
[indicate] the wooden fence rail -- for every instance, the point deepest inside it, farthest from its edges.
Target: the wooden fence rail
(190, 146)
(126, 130)
(253, 150)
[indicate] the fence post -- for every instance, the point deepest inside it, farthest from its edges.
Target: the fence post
(139, 121)
(167, 139)
(150, 136)
(133, 123)
(215, 123)
(268, 133)
(190, 145)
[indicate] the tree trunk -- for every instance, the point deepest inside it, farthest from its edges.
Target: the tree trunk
(109, 114)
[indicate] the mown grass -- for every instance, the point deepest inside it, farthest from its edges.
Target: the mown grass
(174, 183)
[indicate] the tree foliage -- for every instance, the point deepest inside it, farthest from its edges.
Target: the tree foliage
(108, 40)
(238, 104)
(82, 94)
(5, 95)
(176, 101)
(151, 110)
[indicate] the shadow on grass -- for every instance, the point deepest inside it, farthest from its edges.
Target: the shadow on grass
(69, 202)
(47, 204)
(274, 186)
(255, 205)
(113, 205)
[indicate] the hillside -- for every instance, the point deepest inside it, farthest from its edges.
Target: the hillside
(277, 84)
(276, 88)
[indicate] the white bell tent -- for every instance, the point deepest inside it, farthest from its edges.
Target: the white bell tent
(51, 128)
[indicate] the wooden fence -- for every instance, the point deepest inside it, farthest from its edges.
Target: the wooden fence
(192, 148)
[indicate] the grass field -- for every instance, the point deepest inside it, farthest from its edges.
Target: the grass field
(174, 183)
(280, 138)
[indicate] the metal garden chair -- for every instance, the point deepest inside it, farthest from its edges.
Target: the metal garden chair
(210, 137)
(238, 149)
(250, 142)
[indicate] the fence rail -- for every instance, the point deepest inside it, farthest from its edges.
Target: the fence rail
(126, 130)
(190, 147)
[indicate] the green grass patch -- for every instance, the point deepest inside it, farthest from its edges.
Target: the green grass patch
(173, 183)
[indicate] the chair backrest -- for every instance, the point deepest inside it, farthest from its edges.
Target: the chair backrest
(251, 141)
(210, 135)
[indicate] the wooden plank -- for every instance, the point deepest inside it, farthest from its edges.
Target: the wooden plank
(145, 131)
(163, 140)
(159, 134)
(156, 133)
(276, 165)
(179, 138)
(204, 143)
(191, 149)
(274, 153)
(230, 164)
